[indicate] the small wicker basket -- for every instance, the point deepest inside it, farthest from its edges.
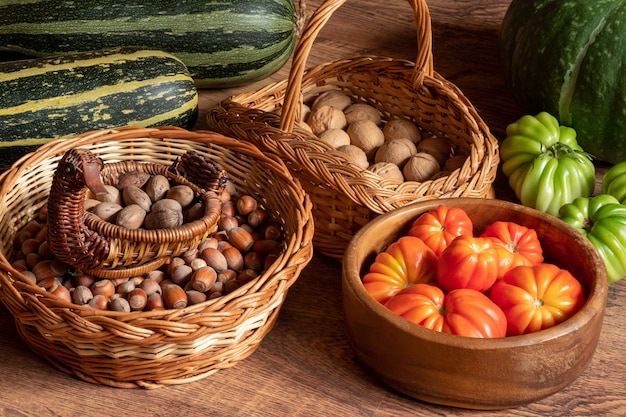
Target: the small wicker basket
(151, 349)
(121, 252)
(344, 196)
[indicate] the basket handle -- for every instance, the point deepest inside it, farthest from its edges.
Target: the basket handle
(292, 100)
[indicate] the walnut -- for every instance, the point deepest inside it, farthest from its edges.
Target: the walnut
(421, 167)
(402, 128)
(356, 155)
(387, 170)
(437, 146)
(333, 98)
(362, 111)
(326, 117)
(335, 137)
(396, 151)
(366, 135)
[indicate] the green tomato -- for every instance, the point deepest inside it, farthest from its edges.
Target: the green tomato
(544, 163)
(602, 219)
(614, 182)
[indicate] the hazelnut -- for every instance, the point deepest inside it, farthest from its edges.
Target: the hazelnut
(195, 297)
(174, 296)
(214, 258)
(203, 279)
(246, 276)
(104, 287)
(197, 264)
(137, 299)
(155, 302)
(120, 304)
(156, 275)
(234, 258)
(60, 291)
(246, 204)
(257, 218)
(181, 274)
(240, 238)
(227, 222)
(150, 286)
(30, 246)
(81, 295)
(99, 302)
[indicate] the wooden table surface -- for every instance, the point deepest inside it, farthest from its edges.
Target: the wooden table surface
(304, 366)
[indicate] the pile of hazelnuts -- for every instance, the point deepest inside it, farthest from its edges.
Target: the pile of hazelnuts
(247, 242)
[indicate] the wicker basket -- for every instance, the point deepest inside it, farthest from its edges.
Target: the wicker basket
(118, 252)
(155, 348)
(344, 196)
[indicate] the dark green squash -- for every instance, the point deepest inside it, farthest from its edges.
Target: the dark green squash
(47, 98)
(567, 57)
(223, 43)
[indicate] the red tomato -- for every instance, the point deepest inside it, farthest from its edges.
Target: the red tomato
(537, 297)
(405, 262)
(462, 312)
(468, 262)
(438, 227)
(516, 245)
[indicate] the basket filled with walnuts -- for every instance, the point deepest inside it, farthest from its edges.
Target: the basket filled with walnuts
(366, 134)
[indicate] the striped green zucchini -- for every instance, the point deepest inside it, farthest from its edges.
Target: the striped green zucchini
(47, 98)
(223, 42)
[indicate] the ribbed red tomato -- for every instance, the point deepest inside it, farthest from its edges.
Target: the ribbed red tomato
(468, 262)
(537, 297)
(516, 245)
(405, 262)
(438, 227)
(462, 312)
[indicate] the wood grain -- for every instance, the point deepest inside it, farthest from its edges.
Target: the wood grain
(304, 367)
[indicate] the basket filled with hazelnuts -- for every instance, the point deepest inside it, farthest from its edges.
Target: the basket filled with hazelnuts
(366, 134)
(221, 275)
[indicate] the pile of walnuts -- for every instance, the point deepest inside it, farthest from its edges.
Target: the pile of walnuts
(394, 149)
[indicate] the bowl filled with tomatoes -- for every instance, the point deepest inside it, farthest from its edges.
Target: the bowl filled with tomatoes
(473, 303)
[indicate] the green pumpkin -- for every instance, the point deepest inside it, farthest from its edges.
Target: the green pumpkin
(568, 57)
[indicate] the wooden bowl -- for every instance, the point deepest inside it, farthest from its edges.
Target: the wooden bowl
(467, 372)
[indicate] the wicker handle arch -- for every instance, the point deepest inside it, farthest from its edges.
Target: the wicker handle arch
(423, 62)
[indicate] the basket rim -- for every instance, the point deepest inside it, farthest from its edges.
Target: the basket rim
(185, 231)
(300, 147)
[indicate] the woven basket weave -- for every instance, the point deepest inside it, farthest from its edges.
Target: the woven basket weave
(344, 196)
(153, 348)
